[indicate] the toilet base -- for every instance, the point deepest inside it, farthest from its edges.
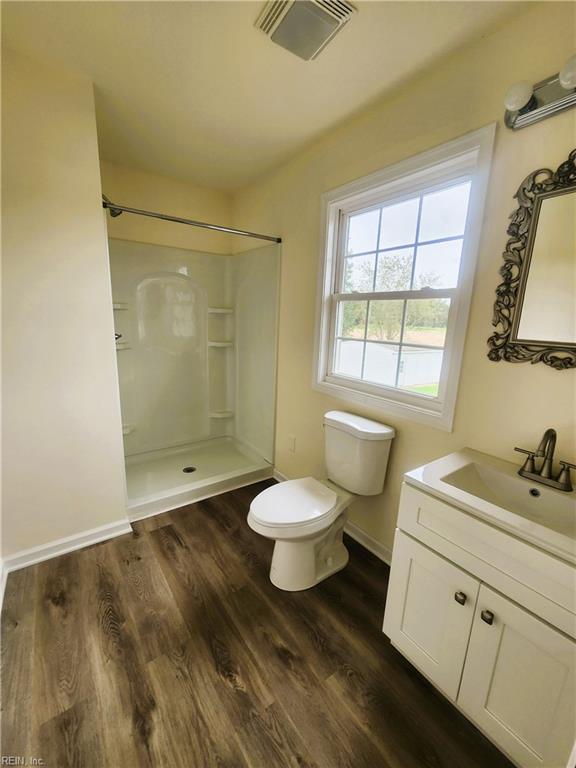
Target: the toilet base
(302, 563)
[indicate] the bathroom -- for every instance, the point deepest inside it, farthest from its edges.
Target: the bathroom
(140, 623)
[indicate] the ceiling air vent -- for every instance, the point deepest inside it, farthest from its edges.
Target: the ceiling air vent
(304, 27)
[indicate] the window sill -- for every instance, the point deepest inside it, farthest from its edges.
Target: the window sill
(431, 417)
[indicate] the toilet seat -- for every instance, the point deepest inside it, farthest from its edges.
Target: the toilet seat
(294, 502)
(297, 509)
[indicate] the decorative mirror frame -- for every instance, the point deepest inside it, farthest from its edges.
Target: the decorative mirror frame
(516, 261)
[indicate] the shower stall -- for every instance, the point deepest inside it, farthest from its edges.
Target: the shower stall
(196, 337)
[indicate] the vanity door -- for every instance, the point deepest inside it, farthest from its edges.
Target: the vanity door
(429, 611)
(519, 683)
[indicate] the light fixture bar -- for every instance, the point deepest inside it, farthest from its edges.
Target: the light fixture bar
(548, 99)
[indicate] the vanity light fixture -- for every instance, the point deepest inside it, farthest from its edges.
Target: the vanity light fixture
(519, 96)
(567, 74)
(526, 104)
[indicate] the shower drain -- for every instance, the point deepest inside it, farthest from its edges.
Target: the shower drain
(189, 469)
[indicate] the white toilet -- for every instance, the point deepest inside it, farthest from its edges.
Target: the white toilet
(306, 517)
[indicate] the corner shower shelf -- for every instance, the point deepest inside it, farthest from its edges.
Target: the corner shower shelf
(119, 305)
(221, 344)
(127, 429)
(220, 311)
(120, 345)
(221, 414)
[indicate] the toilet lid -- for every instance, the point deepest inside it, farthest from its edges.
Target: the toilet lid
(292, 502)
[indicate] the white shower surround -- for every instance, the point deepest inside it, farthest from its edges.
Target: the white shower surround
(197, 369)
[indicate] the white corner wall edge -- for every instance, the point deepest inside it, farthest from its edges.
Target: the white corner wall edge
(355, 532)
(3, 577)
(572, 759)
(58, 547)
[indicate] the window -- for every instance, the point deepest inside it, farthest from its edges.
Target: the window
(398, 266)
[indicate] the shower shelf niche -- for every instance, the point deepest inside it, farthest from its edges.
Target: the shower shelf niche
(221, 367)
(221, 414)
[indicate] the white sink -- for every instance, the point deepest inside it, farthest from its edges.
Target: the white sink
(491, 488)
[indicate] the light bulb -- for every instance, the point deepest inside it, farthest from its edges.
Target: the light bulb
(567, 74)
(518, 95)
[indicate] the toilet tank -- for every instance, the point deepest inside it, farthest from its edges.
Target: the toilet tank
(357, 452)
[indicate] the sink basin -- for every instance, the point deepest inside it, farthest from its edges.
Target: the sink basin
(491, 488)
(516, 494)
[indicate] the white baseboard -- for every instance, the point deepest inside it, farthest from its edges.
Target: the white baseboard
(35, 555)
(378, 549)
(279, 476)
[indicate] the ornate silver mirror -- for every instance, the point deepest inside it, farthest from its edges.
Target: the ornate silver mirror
(535, 309)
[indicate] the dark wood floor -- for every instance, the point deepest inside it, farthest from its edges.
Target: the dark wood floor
(170, 647)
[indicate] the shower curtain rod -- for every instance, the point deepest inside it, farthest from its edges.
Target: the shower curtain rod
(116, 210)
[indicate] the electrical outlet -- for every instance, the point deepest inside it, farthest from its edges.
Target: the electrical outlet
(292, 443)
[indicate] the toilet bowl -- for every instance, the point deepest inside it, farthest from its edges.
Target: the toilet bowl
(306, 517)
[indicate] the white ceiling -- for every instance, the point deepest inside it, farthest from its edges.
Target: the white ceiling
(193, 90)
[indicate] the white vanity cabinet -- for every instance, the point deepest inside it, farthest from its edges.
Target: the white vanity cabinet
(519, 682)
(504, 652)
(423, 618)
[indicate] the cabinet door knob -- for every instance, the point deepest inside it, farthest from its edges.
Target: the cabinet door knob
(487, 616)
(460, 597)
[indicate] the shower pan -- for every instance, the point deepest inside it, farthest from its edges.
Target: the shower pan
(196, 351)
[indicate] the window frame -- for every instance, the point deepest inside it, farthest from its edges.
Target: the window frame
(468, 157)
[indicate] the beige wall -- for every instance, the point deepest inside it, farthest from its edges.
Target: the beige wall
(500, 405)
(62, 441)
(151, 192)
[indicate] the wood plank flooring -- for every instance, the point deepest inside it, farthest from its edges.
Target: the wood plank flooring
(170, 647)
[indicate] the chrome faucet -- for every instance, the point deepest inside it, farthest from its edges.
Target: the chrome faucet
(544, 475)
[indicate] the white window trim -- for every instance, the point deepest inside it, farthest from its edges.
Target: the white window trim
(470, 154)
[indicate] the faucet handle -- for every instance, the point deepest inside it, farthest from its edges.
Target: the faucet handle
(528, 465)
(564, 478)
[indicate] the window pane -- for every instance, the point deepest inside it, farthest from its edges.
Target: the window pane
(426, 321)
(348, 358)
(444, 213)
(398, 225)
(359, 273)
(381, 363)
(385, 320)
(363, 232)
(420, 370)
(351, 319)
(394, 271)
(437, 265)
